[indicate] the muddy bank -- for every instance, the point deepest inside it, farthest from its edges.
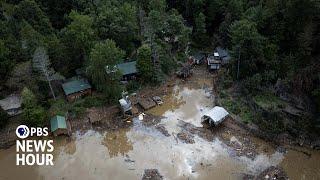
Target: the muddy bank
(108, 118)
(268, 114)
(8, 135)
(272, 173)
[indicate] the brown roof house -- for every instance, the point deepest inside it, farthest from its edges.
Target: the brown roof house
(74, 89)
(12, 104)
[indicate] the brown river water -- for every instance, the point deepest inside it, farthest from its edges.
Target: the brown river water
(124, 154)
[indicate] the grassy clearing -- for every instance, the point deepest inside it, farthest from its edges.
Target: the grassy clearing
(269, 101)
(237, 107)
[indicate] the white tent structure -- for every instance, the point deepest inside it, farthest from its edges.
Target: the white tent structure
(215, 116)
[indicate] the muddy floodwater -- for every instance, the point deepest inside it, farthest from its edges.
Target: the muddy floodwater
(124, 154)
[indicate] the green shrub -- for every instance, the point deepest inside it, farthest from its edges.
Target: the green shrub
(246, 115)
(168, 66)
(33, 114)
(59, 107)
(133, 86)
(231, 106)
(93, 101)
(269, 101)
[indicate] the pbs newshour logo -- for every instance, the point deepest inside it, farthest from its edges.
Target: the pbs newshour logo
(33, 152)
(22, 131)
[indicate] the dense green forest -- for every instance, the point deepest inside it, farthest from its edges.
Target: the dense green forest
(276, 43)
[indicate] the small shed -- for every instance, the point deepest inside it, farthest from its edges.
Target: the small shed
(128, 70)
(74, 89)
(58, 125)
(12, 104)
(215, 116)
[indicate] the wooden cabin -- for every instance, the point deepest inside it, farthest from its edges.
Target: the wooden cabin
(128, 70)
(74, 89)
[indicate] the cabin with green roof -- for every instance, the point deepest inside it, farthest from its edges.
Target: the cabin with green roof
(128, 70)
(58, 125)
(76, 88)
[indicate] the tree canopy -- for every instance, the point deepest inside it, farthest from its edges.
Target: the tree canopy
(268, 40)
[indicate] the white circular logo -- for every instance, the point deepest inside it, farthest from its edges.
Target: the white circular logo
(22, 131)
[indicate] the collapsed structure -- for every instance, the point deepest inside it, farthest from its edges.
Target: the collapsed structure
(12, 104)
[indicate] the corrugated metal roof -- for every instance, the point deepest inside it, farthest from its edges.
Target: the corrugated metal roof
(199, 56)
(128, 68)
(58, 122)
(222, 52)
(216, 115)
(75, 86)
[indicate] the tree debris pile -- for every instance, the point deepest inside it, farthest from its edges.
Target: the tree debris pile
(185, 137)
(163, 130)
(151, 174)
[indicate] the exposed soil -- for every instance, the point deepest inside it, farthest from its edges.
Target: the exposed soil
(151, 120)
(272, 173)
(8, 134)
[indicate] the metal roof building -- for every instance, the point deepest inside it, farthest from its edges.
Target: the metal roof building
(215, 116)
(58, 125)
(75, 86)
(128, 68)
(224, 55)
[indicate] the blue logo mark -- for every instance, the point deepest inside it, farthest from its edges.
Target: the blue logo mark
(22, 131)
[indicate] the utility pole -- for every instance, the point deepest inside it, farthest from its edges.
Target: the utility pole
(238, 72)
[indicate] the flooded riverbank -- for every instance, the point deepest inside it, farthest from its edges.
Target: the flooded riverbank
(127, 152)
